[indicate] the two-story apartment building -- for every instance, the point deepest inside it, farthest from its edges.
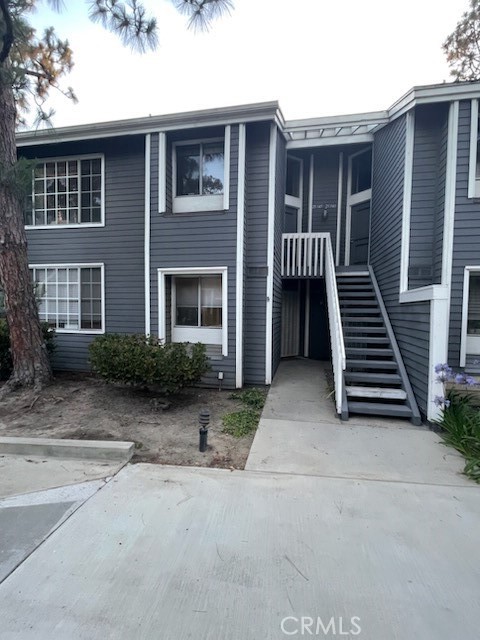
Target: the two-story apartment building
(355, 238)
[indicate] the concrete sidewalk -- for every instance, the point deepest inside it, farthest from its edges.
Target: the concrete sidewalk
(177, 553)
(300, 433)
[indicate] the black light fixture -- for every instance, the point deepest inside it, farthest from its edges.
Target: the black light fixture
(204, 420)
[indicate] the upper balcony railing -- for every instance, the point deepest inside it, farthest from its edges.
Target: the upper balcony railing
(303, 255)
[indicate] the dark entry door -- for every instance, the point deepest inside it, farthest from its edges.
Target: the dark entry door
(360, 233)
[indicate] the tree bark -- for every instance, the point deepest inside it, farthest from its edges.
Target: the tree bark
(29, 354)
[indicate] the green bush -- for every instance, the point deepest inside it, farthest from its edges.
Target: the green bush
(460, 424)
(137, 360)
(6, 364)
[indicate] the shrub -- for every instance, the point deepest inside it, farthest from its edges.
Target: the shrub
(137, 360)
(6, 364)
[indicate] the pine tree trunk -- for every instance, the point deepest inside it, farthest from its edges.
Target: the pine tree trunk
(30, 359)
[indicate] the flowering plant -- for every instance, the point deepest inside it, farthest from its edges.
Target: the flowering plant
(445, 374)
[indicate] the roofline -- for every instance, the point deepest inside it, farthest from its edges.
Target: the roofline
(256, 112)
(261, 111)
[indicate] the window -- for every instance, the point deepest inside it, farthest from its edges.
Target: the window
(66, 192)
(197, 304)
(474, 168)
(361, 172)
(294, 167)
(194, 303)
(200, 176)
(71, 297)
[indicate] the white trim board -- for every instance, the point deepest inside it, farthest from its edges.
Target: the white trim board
(240, 257)
(147, 235)
(162, 172)
(270, 254)
(466, 292)
(339, 207)
(473, 182)
(194, 271)
(407, 200)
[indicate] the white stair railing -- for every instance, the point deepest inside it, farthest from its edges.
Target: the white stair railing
(303, 254)
(335, 323)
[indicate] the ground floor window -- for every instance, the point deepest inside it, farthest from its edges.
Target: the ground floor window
(70, 297)
(194, 304)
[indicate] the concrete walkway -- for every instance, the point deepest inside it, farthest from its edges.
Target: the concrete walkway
(361, 530)
(300, 433)
(209, 554)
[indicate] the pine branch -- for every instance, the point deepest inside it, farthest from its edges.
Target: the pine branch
(8, 35)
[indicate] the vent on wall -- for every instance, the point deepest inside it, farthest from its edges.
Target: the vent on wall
(257, 272)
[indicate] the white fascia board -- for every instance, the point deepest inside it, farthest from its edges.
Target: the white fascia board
(257, 112)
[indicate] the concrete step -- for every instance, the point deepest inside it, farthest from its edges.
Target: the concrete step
(365, 351)
(370, 364)
(380, 393)
(83, 449)
(380, 409)
(372, 378)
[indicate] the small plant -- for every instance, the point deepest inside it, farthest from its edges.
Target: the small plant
(460, 421)
(142, 361)
(6, 364)
(241, 423)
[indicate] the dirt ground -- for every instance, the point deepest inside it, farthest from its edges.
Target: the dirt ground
(83, 407)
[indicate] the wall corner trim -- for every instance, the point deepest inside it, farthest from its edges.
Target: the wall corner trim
(270, 253)
(147, 233)
(239, 288)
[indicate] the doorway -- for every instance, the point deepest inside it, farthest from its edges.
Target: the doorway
(360, 233)
(359, 193)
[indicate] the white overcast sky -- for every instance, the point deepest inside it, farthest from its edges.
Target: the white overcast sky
(317, 57)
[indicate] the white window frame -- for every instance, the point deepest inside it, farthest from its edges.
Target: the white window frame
(200, 331)
(199, 203)
(473, 179)
(79, 225)
(296, 202)
(466, 292)
(352, 200)
(82, 265)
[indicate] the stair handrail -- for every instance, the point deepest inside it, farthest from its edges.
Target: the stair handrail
(335, 324)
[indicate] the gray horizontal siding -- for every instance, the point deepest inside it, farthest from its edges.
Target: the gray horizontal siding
(201, 239)
(257, 161)
(466, 247)
(119, 245)
(410, 322)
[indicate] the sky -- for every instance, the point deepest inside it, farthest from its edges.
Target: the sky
(316, 57)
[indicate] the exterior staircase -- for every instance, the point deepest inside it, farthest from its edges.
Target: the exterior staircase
(376, 381)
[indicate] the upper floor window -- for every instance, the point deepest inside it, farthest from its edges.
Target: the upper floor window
(67, 192)
(200, 175)
(474, 168)
(361, 172)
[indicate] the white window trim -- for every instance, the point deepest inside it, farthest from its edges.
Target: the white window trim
(466, 292)
(162, 172)
(80, 265)
(473, 180)
(201, 203)
(193, 271)
(352, 200)
(296, 202)
(80, 225)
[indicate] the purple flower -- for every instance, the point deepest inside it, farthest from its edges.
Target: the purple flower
(439, 401)
(446, 404)
(460, 378)
(443, 371)
(470, 381)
